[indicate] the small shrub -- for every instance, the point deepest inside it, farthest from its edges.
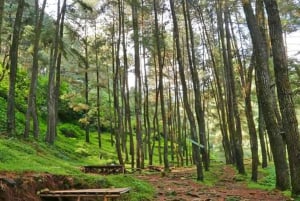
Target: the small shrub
(69, 130)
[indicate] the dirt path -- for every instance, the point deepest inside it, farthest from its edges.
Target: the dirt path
(180, 185)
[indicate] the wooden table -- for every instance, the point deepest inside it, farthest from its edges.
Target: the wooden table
(104, 169)
(104, 193)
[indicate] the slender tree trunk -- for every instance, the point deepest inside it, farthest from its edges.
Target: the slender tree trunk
(218, 94)
(138, 85)
(250, 120)
(155, 119)
(86, 83)
(261, 133)
(228, 92)
(193, 127)
(260, 17)
(52, 104)
(161, 87)
(1, 22)
(31, 109)
(238, 128)
(118, 129)
(196, 85)
(285, 97)
(14, 49)
(266, 98)
(98, 88)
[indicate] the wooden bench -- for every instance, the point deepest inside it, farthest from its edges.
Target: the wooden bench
(106, 193)
(104, 169)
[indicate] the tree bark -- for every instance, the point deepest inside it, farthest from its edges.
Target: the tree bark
(193, 127)
(1, 22)
(287, 108)
(11, 116)
(196, 85)
(266, 98)
(51, 124)
(138, 86)
(31, 108)
(161, 87)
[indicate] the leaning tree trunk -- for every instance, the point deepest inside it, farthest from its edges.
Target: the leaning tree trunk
(266, 98)
(285, 97)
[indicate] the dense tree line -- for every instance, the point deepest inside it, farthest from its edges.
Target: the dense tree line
(177, 78)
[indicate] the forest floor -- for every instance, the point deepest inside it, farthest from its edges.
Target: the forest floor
(181, 185)
(178, 185)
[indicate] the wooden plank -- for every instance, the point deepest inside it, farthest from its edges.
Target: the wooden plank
(107, 192)
(104, 193)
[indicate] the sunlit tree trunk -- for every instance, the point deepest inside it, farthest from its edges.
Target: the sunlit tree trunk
(285, 96)
(266, 98)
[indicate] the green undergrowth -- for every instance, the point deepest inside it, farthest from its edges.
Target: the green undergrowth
(67, 157)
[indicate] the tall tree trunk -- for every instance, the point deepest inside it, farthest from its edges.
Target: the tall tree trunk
(247, 83)
(218, 94)
(1, 22)
(266, 98)
(86, 82)
(128, 123)
(138, 85)
(260, 16)
(11, 116)
(31, 108)
(161, 87)
(287, 108)
(231, 80)
(228, 88)
(52, 121)
(193, 127)
(98, 88)
(196, 85)
(59, 57)
(118, 128)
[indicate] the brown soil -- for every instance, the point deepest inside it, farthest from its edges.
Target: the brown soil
(180, 185)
